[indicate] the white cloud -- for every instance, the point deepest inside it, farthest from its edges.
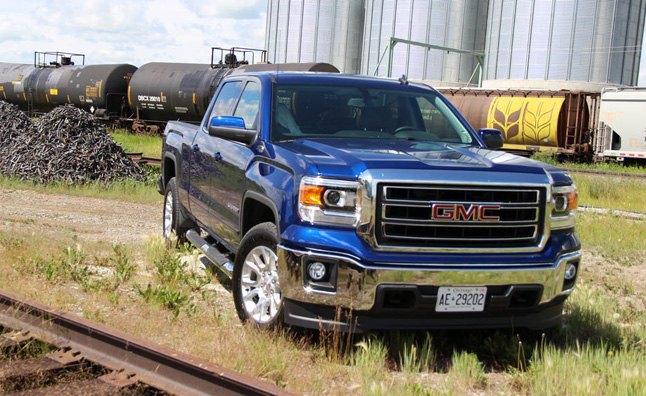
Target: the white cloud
(137, 31)
(127, 31)
(239, 10)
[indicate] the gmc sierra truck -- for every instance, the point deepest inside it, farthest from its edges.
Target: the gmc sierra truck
(357, 203)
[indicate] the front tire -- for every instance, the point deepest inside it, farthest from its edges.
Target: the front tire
(174, 220)
(256, 288)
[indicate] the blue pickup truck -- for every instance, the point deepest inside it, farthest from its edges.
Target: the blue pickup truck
(358, 203)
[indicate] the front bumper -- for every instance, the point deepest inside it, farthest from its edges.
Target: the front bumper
(362, 297)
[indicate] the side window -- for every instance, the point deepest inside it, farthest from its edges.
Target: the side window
(226, 99)
(248, 105)
(434, 121)
(447, 129)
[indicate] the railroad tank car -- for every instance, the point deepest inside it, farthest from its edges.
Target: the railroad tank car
(162, 92)
(532, 120)
(98, 88)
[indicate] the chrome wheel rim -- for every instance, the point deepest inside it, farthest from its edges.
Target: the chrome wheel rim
(261, 295)
(168, 215)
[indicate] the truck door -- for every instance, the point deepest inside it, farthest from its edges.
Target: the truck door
(229, 184)
(204, 161)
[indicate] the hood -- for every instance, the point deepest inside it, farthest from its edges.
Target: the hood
(347, 158)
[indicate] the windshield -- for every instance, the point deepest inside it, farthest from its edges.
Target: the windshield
(350, 112)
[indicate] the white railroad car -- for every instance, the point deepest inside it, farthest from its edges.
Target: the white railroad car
(622, 125)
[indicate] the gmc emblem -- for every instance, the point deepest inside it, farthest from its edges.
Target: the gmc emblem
(460, 212)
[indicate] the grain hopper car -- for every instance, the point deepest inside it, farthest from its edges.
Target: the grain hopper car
(532, 120)
(621, 134)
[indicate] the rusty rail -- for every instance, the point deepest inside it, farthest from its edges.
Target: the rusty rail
(128, 356)
(626, 214)
(605, 173)
(141, 160)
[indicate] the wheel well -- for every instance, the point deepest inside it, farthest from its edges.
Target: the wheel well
(169, 170)
(254, 213)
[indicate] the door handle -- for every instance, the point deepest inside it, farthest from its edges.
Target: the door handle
(196, 148)
(217, 156)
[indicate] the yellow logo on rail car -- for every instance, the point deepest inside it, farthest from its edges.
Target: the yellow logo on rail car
(91, 92)
(531, 121)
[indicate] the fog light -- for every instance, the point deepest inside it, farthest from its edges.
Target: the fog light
(570, 271)
(316, 270)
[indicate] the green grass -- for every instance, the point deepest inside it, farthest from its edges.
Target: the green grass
(605, 191)
(601, 347)
(611, 192)
(467, 370)
(616, 238)
(125, 190)
(149, 146)
(77, 266)
(603, 166)
(601, 315)
(175, 285)
(586, 370)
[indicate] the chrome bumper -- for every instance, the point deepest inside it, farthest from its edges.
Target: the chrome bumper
(355, 284)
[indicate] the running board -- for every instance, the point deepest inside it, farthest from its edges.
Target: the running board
(212, 253)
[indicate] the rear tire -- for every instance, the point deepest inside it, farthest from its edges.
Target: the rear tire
(256, 288)
(174, 220)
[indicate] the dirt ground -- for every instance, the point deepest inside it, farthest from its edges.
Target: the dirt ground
(104, 221)
(90, 219)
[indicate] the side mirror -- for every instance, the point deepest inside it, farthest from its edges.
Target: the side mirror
(492, 138)
(231, 128)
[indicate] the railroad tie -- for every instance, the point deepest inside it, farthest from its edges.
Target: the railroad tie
(108, 384)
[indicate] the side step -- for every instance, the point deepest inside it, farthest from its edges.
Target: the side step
(213, 254)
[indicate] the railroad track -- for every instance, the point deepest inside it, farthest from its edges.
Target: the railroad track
(141, 160)
(92, 358)
(626, 214)
(606, 173)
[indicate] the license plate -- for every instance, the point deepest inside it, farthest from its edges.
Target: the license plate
(461, 299)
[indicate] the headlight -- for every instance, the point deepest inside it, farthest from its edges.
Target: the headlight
(564, 204)
(328, 201)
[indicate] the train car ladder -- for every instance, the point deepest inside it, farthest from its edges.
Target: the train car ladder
(572, 133)
(30, 103)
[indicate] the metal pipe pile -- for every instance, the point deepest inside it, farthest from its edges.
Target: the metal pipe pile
(12, 122)
(65, 145)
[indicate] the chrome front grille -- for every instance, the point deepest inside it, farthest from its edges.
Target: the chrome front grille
(459, 216)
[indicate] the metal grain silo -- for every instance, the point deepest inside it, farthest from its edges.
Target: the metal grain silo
(458, 24)
(315, 31)
(588, 43)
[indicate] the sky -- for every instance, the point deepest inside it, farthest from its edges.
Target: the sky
(136, 31)
(129, 31)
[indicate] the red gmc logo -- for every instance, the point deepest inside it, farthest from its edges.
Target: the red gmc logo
(460, 212)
